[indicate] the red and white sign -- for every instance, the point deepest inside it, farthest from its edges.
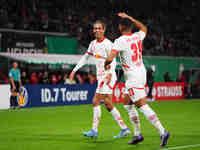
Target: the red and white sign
(161, 91)
(117, 92)
(168, 91)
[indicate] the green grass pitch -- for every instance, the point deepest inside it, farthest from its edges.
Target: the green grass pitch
(59, 128)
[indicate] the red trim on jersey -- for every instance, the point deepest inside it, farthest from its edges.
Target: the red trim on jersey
(131, 92)
(89, 53)
(114, 50)
(109, 86)
(128, 34)
(101, 40)
(138, 88)
(102, 83)
(125, 66)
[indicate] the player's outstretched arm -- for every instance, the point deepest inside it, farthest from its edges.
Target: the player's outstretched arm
(138, 24)
(71, 76)
(109, 60)
(80, 64)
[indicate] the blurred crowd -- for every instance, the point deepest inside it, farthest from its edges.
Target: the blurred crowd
(171, 23)
(56, 78)
(191, 80)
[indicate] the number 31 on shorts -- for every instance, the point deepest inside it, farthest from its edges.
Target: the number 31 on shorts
(131, 92)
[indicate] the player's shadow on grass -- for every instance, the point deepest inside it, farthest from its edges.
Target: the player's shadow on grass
(101, 140)
(142, 146)
(149, 143)
(50, 137)
(96, 141)
(67, 137)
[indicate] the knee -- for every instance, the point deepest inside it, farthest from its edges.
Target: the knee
(127, 102)
(140, 103)
(135, 119)
(109, 107)
(95, 103)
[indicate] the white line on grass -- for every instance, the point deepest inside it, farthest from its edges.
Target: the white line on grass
(181, 147)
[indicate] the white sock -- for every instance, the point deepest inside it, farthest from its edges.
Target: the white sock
(116, 115)
(152, 117)
(134, 118)
(96, 117)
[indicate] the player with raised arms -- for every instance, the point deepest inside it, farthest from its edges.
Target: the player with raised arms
(129, 47)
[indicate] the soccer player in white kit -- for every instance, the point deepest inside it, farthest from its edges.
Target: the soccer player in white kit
(101, 48)
(129, 47)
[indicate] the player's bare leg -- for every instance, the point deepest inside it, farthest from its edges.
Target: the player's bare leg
(152, 117)
(116, 115)
(96, 116)
(134, 118)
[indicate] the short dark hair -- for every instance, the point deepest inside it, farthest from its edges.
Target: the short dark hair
(126, 23)
(100, 22)
(14, 62)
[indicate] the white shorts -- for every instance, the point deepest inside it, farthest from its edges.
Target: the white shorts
(104, 88)
(136, 78)
(136, 94)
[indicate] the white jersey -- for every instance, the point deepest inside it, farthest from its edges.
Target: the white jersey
(102, 49)
(129, 47)
(99, 50)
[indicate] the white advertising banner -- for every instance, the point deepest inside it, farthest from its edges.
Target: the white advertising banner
(5, 96)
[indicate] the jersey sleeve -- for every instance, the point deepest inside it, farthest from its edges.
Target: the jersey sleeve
(109, 47)
(141, 35)
(89, 50)
(118, 46)
(84, 58)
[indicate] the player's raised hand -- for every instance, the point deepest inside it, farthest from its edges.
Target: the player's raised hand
(123, 15)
